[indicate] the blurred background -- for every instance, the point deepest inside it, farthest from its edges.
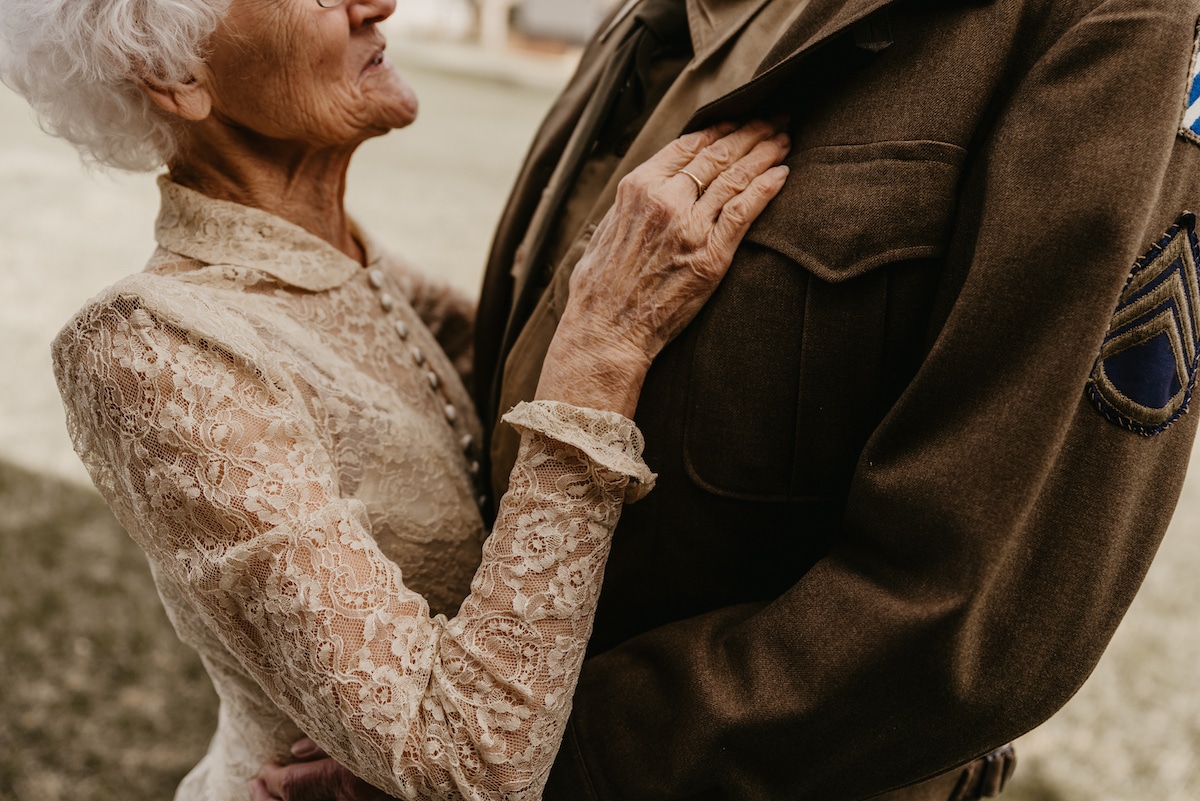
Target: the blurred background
(99, 701)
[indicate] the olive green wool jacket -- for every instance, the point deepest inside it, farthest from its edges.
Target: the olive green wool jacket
(911, 469)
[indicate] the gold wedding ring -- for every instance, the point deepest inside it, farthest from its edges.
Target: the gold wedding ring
(700, 185)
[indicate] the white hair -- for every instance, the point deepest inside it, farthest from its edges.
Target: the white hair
(77, 61)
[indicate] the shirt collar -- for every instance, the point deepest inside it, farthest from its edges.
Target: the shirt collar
(221, 232)
(715, 22)
(712, 23)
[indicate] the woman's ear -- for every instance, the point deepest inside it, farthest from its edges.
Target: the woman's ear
(189, 99)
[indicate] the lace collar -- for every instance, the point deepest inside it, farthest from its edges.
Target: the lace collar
(221, 232)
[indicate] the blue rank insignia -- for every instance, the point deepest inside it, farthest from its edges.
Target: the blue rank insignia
(1190, 128)
(1146, 370)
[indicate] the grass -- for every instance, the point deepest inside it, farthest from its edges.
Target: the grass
(99, 700)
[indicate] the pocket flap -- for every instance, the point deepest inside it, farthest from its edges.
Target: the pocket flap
(847, 209)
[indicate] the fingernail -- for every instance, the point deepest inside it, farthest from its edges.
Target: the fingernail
(303, 749)
(783, 140)
(781, 171)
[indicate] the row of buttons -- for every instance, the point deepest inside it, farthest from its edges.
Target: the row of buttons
(376, 278)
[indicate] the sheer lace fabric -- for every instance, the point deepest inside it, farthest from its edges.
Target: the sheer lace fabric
(276, 435)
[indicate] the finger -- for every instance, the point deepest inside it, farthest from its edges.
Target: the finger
(306, 749)
(739, 213)
(680, 152)
(735, 180)
(302, 781)
(259, 792)
(722, 154)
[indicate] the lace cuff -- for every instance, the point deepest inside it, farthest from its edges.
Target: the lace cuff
(611, 440)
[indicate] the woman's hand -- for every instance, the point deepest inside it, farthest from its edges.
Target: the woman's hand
(314, 777)
(657, 257)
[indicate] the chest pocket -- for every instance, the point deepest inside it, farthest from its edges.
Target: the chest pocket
(793, 360)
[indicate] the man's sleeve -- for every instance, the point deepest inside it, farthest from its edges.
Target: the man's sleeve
(997, 526)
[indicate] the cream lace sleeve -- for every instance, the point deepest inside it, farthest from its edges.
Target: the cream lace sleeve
(224, 483)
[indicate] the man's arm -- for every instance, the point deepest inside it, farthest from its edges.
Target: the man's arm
(997, 526)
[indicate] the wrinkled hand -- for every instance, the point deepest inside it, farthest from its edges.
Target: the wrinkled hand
(657, 257)
(317, 777)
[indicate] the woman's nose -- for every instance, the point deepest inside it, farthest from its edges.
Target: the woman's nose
(365, 11)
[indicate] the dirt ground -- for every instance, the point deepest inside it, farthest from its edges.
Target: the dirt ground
(98, 700)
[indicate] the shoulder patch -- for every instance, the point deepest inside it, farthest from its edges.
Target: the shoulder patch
(1144, 376)
(1190, 128)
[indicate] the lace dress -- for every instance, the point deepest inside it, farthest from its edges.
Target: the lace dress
(282, 434)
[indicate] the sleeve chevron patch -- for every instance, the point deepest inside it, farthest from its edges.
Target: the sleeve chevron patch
(1146, 370)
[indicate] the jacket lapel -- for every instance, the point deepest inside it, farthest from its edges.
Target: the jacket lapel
(546, 151)
(821, 21)
(547, 148)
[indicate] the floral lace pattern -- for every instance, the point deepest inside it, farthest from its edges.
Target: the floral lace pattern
(305, 500)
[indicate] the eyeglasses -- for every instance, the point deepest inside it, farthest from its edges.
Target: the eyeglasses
(329, 3)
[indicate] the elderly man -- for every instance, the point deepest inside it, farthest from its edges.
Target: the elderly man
(918, 452)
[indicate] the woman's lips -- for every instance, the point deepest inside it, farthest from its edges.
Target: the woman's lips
(376, 61)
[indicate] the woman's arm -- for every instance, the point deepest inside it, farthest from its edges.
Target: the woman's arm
(229, 490)
(221, 476)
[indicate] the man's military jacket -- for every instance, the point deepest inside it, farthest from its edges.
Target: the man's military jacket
(917, 453)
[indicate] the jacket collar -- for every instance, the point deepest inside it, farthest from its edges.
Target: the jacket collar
(712, 23)
(822, 20)
(220, 232)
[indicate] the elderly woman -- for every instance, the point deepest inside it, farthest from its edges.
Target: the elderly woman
(268, 412)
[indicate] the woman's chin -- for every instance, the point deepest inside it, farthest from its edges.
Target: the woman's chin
(387, 118)
(395, 120)
(393, 93)
(401, 109)
(406, 115)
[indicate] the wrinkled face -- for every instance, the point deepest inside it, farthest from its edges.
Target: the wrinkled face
(292, 70)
